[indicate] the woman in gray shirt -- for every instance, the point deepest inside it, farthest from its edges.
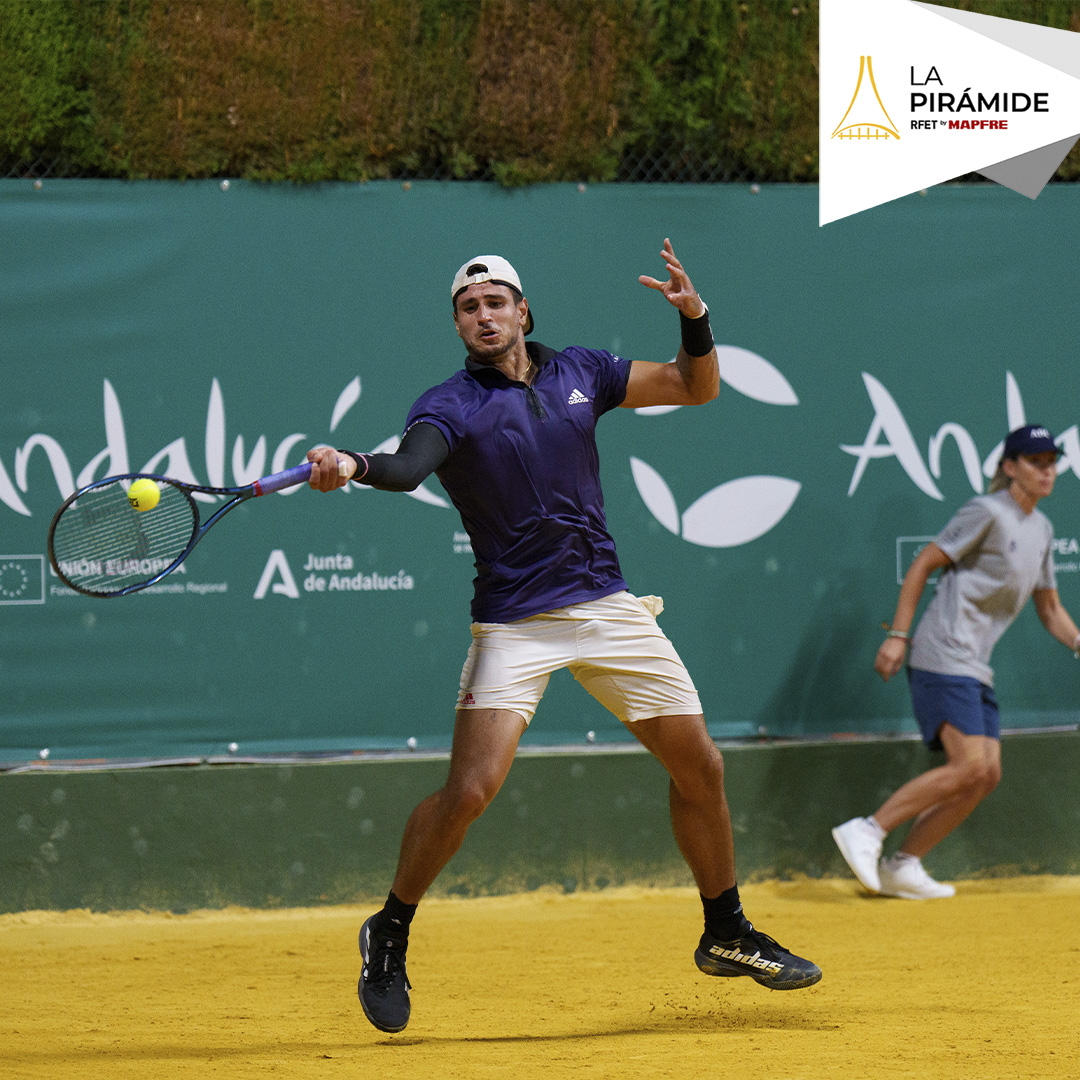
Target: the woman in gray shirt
(993, 554)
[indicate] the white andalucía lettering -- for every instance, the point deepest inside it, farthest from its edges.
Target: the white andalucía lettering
(969, 453)
(9, 496)
(215, 437)
(113, 460)
(899, 442)
(1069, 443)
(369, 582)
(171, 460)
(247, 471)
(61, 467)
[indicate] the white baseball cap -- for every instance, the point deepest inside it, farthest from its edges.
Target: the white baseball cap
(492, 268)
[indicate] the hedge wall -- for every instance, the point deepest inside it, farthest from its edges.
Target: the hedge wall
(513, 90)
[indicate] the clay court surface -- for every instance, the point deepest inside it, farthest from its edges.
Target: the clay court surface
(986, 985)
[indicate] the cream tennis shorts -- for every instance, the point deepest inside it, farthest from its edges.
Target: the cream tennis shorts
(612, 646)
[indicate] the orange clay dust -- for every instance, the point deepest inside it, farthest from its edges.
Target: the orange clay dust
(985, 985)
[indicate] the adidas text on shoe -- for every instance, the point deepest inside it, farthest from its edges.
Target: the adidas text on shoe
(755, 954)
(384, 987)
(860, 844)
(907, 879)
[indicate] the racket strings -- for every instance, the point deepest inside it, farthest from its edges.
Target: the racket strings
(104, 545)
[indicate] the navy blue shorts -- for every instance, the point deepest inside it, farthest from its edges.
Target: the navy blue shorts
(964, 702)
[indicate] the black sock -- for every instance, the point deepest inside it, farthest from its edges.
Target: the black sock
(724, 917)
(396, 915)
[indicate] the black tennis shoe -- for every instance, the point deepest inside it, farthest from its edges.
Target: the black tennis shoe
(755, 954)
(384, 987)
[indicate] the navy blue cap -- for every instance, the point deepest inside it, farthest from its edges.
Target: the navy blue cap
(1027, 440)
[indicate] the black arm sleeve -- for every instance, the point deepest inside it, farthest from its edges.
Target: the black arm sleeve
(422, 451)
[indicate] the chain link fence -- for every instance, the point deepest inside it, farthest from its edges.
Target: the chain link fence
(40, 168)
(653, 164)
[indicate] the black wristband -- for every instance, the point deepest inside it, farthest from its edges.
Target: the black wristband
(361, 466)
(697, 339)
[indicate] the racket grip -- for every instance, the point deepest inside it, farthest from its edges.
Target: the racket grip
(288, 478)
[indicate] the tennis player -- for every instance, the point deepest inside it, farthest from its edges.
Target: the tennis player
(511, 438)
(993, 554)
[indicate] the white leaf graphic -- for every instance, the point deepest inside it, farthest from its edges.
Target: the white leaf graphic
(739, 511)
(754, 376)
(423, 495)
(387, 446)
(346, 400)
(655, 494)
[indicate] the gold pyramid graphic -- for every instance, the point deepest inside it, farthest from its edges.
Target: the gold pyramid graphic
(872, 119)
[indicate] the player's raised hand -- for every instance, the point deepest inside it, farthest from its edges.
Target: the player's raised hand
(329, 469)
(678, 288)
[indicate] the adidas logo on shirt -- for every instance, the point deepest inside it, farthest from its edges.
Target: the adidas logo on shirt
(577, 398)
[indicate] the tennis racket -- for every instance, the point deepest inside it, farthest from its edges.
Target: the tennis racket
(100, 545)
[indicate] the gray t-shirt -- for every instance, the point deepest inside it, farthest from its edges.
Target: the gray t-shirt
(1000, 556)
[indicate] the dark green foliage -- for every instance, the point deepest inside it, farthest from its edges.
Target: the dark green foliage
(518, 91)
(732, 84)
(46, 102)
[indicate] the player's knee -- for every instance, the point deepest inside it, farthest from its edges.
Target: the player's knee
(977, 778)
(990, 777)
(702, 779)
(714, 771)
(466, 802)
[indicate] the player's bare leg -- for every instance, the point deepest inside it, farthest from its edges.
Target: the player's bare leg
(485, 741)
(942, 797)
(979, 759)
(701, 821)
(938, 800)
(699, 811)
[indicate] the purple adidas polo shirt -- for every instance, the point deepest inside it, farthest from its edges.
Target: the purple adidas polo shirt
(524, 474)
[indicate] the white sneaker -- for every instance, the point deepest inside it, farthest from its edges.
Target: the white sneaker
(859, 841)
(904, 876)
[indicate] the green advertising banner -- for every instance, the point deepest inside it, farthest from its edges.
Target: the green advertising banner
(216, 332)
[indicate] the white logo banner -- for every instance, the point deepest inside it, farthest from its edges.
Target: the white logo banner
(912, 95)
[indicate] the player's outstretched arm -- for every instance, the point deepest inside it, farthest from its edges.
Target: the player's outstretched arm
(422, 451)
(693, 378)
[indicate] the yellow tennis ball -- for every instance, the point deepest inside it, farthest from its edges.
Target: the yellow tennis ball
(144, 494)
